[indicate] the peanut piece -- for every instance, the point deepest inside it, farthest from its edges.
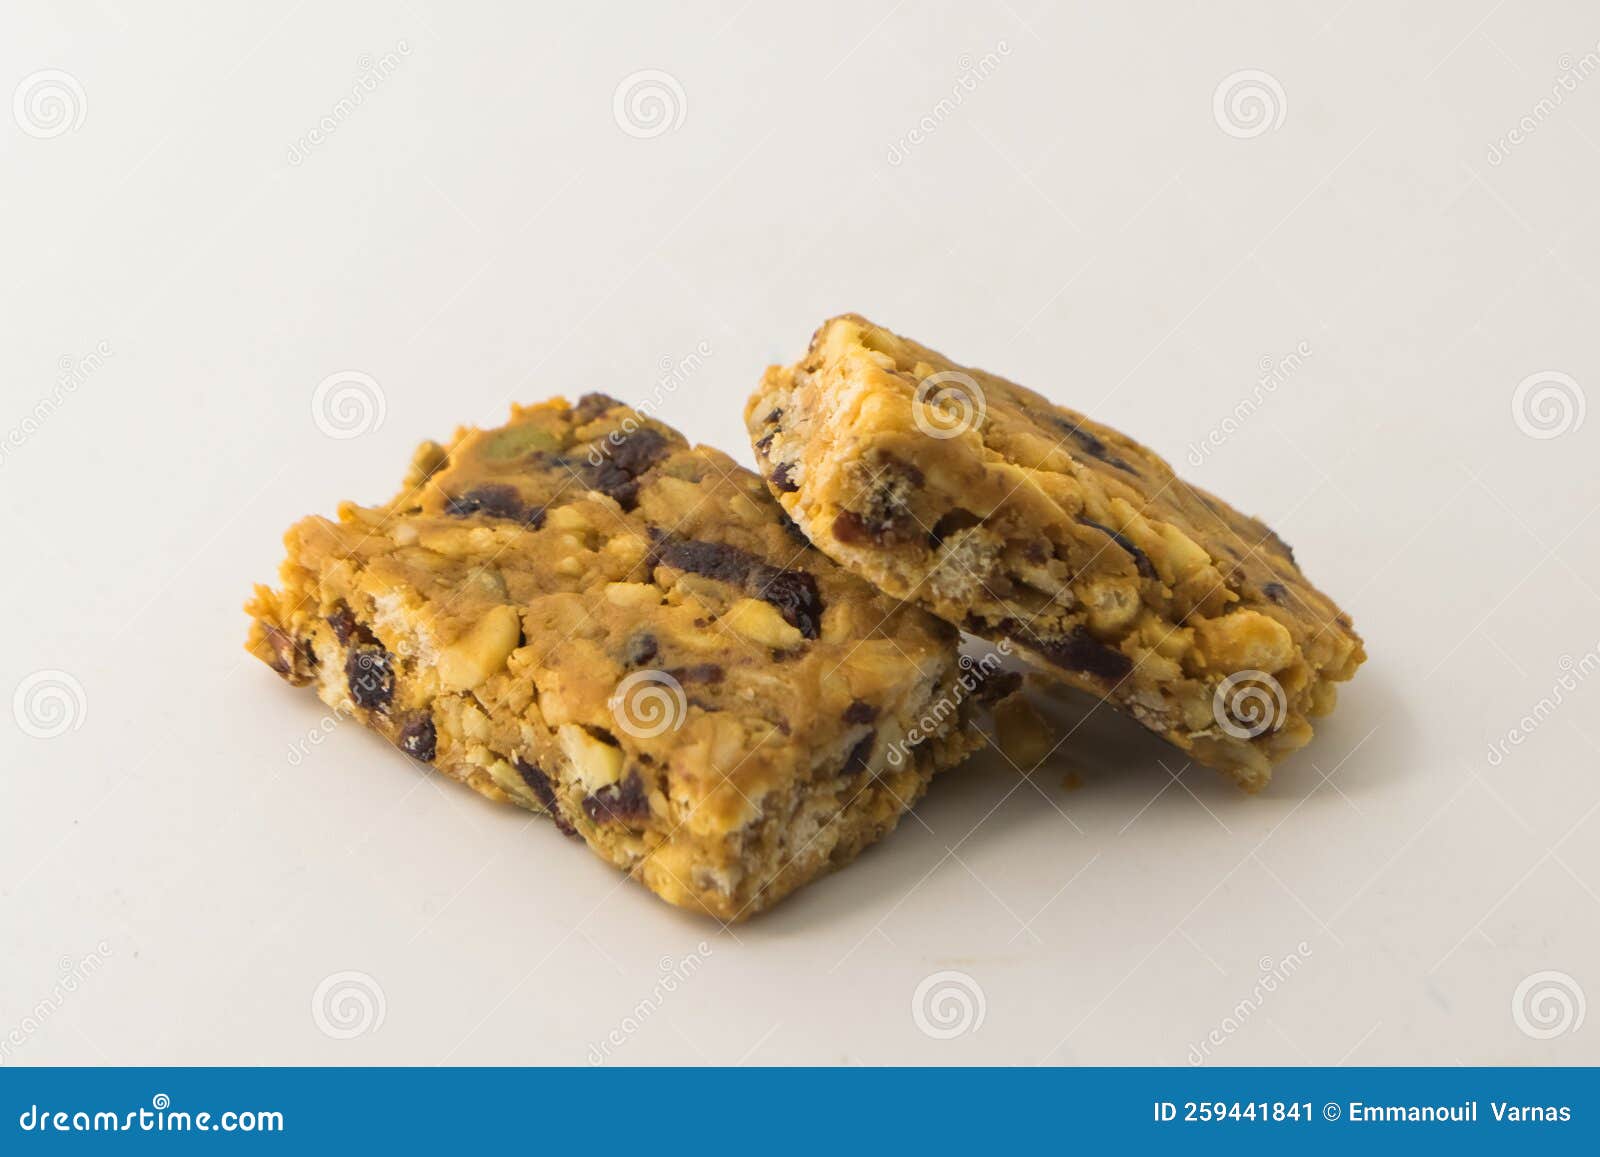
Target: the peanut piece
(1112, 603)
(633, 595)
(761, 623)
(482, 651)
(1186, 555)
(677, 494)
(1244, 641)
(594, 764)
(568, 518)
(875, 668)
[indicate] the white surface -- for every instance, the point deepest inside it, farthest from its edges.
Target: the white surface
(480, 229)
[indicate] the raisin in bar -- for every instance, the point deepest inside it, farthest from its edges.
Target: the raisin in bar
(580, 613)
(1017, 518)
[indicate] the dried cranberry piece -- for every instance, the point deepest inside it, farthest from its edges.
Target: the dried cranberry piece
(1284, 547)
(860, 711)
(419, 739)
(544, 791)
(284, 649)
(641, 450)
(614, 482)
(910, 471)
(712, 560)
(887, 519)
(998, 686)
(343, 622)
(1089, 444)
(369, 675)
(860, 756)
(782, 478)
(707, 673)
(1081, 651)
(792, 528)
(538, 782)
(602, 734)
(1141, 561)
(640, 649)
(626, 458)
(794, 593)
(956, 520)
(622, 802)
(592, 406)
(882, 513)
(497, 500)
(852, 530)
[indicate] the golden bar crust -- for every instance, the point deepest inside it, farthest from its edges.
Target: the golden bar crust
(582, 614)
(1014, 517)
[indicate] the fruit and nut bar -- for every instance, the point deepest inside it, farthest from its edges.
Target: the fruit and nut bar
(1014, 517)
(582, 614)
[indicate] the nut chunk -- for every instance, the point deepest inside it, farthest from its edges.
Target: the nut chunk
(582, 614)
(1014, 517)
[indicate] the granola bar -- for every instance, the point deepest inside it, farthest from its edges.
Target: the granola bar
(582, 614)
(1017, 518)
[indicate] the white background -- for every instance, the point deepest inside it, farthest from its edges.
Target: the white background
(481, 228)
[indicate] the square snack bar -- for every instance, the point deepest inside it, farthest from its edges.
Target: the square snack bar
(1014, 517)
(582, 614)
